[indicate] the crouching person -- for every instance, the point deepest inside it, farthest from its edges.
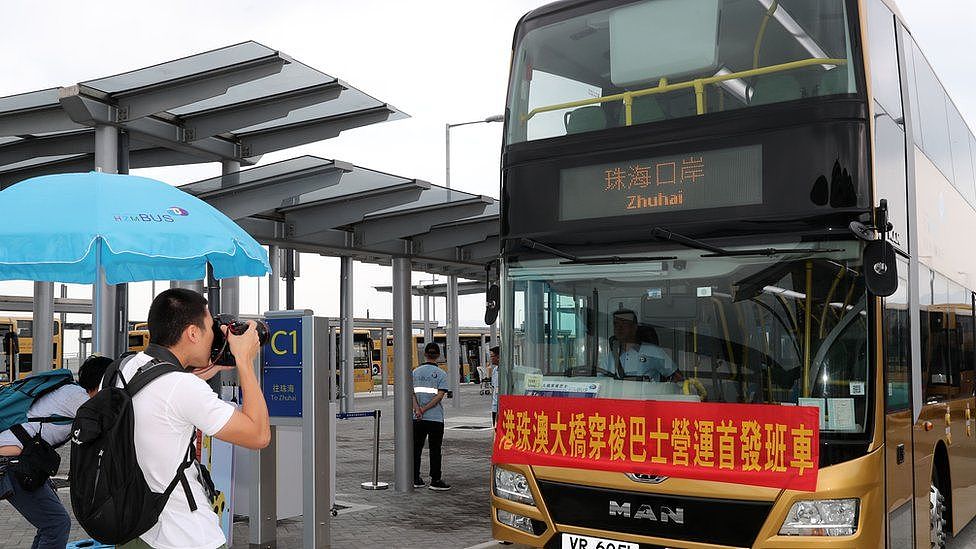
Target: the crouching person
(27, 450)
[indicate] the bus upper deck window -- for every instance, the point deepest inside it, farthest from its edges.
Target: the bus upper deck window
(683, 36)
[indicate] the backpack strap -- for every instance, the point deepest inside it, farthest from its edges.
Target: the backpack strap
(114, 369)
(145, 375)
(148, 373)
(180, 477)
(21, 434)
(51, 419)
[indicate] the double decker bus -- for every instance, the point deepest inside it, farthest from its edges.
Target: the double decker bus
(699, 197)
(17, 362)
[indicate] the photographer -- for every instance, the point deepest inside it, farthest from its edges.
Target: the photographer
(170, 408)
(41, 506)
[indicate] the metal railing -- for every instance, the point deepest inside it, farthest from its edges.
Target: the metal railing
(697, 84)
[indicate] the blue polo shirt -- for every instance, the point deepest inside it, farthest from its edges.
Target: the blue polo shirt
(428, 379)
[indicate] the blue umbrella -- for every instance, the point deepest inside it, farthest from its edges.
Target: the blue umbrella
(60, 228)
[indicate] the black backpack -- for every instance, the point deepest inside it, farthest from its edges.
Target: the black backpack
(109, 494)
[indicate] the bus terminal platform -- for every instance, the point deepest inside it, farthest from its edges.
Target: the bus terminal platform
(422, 519)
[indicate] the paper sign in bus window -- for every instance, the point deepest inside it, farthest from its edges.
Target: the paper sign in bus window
(819, 403)
(840, 414)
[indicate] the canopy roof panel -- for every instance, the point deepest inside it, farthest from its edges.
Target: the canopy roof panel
(233, 103)
(29, 101)
(192, 65)
(330, 207)
(293, 76)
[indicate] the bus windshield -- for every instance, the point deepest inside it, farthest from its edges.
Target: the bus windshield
(654, 60)
(788, 329)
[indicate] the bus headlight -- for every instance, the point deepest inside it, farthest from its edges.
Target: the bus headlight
(515, 521)
(824, 517)
(512, 486)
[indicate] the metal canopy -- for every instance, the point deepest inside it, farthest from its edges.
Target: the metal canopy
(25, 304)
(328, 207)
(230, 104)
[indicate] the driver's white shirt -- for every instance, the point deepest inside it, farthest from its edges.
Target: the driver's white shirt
(645, 360)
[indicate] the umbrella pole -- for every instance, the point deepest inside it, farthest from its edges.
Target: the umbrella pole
(103, 325)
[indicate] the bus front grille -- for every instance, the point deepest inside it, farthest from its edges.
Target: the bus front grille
(720, 521)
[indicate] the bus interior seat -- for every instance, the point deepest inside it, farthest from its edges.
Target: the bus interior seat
(643, 110)
(775, 88)
(585, 119)
(682, 103)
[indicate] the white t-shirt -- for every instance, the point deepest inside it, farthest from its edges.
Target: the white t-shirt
(167, 411)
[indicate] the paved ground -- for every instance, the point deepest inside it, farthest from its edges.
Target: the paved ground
(420, 520)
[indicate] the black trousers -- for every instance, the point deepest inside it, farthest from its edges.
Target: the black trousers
(434, 432)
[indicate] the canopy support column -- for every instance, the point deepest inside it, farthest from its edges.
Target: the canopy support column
(453, 341)
(290, 279)
(274, 279)
(230, 296)
(428, 332)
(122, 290)
(384, 365)
(43, 328)
(104, 299)
(403, 380)
(346, 403)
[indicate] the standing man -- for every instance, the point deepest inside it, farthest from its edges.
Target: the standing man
(41, 507)
(429, 388)
(11, 347)
(494, 383)
(172, 407)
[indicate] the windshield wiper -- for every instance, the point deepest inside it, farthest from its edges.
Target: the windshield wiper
(615, 259)
(665, 234)
(575, 260)
(535, 245)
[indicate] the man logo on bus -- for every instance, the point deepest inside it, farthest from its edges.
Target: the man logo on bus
(664, 514)
(176, 210)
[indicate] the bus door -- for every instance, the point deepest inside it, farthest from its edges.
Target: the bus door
(899, 456)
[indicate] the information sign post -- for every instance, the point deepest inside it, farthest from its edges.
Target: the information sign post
(297, 393)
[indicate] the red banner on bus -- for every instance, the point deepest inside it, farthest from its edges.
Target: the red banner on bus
(756, 444)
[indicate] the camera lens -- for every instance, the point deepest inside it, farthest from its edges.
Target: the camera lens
(220, 351)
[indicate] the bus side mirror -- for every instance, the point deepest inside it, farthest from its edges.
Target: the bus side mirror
(492, 304)
(880, 268)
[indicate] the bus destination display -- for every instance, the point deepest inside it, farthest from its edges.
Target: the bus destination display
(690, 181)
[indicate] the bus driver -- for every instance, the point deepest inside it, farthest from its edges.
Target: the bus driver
(632, 358)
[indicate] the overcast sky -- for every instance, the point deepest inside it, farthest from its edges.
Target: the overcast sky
(438, 61)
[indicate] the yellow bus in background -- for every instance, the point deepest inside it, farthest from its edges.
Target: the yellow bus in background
(362, 342)
(471, 352)
(23, 327)
(139, 337)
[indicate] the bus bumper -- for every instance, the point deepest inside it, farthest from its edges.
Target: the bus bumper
(860, 478)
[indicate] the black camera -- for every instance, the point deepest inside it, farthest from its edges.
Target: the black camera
(220, 352)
